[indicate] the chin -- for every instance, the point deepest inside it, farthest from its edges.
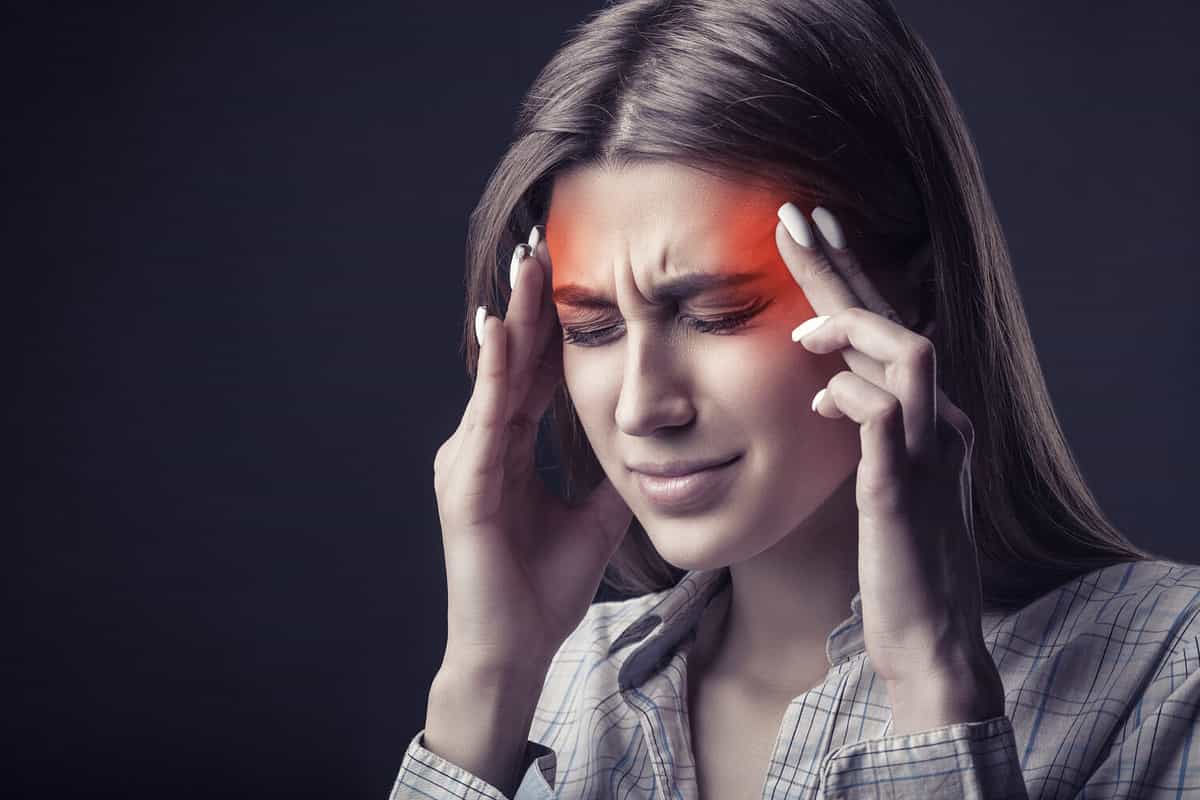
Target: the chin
(700, 543)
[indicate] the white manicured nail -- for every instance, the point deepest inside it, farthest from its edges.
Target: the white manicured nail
(830, 228)
(796, 225)
(480, 317)
(514, 265)
(535, 236)
(817, 398)
(807, 327)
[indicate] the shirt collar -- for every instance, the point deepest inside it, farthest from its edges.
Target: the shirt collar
(653, 636)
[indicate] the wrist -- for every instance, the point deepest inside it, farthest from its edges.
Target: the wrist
(500, 662)
(479, 718)
(946, 697)
(490, 678)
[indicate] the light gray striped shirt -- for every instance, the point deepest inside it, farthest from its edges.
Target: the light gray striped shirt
(1101, 686)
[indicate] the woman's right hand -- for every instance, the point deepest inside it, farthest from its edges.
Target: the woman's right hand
(522, 567)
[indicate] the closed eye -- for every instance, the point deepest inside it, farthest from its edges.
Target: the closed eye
(724, 324)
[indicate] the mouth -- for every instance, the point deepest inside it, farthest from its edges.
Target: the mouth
(680, 467)
(690, 490)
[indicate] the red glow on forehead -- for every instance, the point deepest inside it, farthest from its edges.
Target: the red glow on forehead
(730, 229)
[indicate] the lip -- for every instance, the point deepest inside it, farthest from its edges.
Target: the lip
(688, 491)
(679, 467)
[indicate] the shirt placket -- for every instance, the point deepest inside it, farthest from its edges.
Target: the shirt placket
(663, 722)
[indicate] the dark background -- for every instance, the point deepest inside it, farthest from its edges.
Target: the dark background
(233, 251)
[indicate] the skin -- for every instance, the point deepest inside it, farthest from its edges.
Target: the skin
(798, 542)
(655, 389)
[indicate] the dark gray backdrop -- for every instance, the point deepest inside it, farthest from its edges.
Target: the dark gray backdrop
(234, 258)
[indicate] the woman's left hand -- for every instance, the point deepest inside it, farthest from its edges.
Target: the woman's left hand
(917, 563)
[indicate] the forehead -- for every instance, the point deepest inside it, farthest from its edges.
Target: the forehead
(662, 221)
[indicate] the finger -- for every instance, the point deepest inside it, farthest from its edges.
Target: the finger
(831, 240)
(521, 323)
(468, 415)
(548, 374)
(546, 363)
(900, 362)
(817, 276)
(485, 434)
(812, 270)
(884, 460)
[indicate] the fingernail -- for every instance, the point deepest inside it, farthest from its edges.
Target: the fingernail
(535, 236)
(480, 316)
(797, 226)
(519, 252)
(817, 398)
(807, 327)
(829, 227)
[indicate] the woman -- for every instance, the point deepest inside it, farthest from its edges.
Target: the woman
(696, 179)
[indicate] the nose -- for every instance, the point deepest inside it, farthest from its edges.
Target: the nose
(653, 395)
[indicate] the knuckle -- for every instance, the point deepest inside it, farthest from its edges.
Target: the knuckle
(879, 494)
(855, 314)
(443, 454)
(820, 268)
(835, 383)
(922, 353)
(890, 412)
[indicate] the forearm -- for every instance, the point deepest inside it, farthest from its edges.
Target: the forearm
(480, 718)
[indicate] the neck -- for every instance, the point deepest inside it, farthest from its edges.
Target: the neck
(770, 627)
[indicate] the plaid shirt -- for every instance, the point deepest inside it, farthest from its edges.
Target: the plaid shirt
(1101, 686)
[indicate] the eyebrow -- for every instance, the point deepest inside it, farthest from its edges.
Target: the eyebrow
(680, 288)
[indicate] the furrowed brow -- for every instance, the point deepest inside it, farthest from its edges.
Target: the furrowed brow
(681, 288)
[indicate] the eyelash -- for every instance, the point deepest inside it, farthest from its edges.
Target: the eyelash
(721, 326)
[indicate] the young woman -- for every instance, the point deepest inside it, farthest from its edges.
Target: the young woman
(860, 559)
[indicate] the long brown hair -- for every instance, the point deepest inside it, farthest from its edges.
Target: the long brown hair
(839, 101)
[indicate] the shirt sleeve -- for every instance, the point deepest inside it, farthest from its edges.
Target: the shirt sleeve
(972, 760)
(424, 775)
(1157, 753)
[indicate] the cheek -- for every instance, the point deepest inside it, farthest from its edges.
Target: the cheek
(766, 383)
(797, 458)
(580, 375)
(796, 455)
(592, 392)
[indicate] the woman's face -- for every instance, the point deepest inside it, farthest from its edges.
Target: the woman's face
(652, 387)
